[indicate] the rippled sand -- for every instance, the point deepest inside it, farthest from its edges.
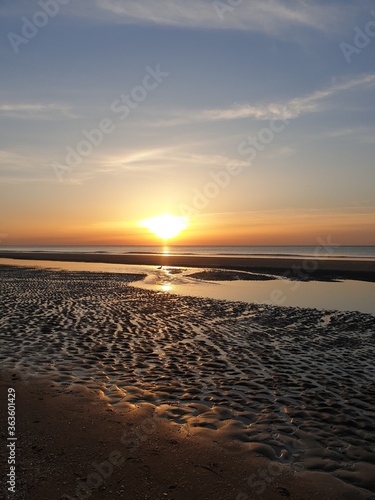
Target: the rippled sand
(294, 385)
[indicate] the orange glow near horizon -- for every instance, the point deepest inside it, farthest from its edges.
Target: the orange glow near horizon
(287, 227)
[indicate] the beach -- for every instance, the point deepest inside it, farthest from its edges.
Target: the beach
(311, 267)
(220, 399)
(187, 250)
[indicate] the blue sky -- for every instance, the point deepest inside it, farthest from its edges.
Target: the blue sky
(228, 76)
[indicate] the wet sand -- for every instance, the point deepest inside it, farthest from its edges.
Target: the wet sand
(69, 440)
(294, 388)
(309, 268)
(222, 275)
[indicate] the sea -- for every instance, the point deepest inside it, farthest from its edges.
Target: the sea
(323, 249)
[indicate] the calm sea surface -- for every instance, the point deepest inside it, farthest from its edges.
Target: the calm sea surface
(322, 250)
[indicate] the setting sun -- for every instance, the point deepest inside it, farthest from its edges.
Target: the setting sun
(165, 226)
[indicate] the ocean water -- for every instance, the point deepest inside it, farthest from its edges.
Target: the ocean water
(323, 249)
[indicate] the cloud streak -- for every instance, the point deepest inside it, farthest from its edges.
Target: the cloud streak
(165, 159)
(270, 16)
(290, 109)
(40, 111)
(23, 166)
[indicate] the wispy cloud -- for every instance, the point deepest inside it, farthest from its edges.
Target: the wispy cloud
(362, 135)
(271, 16)
(293, 108)
(283, 152)
(23, 166)
(164, 159)
(33, 111)
(342, 132)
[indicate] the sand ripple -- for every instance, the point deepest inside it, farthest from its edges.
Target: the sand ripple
(296, 385)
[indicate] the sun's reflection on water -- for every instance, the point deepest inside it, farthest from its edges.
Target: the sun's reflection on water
(166, 287)
(165, 250)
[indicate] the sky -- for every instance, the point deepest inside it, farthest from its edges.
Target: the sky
(253, 119)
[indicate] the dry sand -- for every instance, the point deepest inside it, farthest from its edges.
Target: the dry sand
(239, 397)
